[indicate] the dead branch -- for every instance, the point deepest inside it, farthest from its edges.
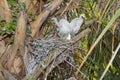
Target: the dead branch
(5, 75)
(2, 48)
(5, 11)
(81, 35)
(30, 5)
(1, 75)
(8, 76)
(68, 9)
(87, 23)
(18, 39)
(36, 25)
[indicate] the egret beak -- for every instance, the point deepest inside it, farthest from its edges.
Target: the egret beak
(84, 19)
(52, 20)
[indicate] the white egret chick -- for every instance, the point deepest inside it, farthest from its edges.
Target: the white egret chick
(63, 28)
(76, 24)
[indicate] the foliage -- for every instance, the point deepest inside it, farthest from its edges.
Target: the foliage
(102, 53)
(8, 28)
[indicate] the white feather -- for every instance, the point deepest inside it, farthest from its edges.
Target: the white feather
(76, 24)
(63, 28)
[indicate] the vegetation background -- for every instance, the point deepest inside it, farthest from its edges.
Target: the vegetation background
(24, 20)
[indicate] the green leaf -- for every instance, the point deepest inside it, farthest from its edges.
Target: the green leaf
(3, 28)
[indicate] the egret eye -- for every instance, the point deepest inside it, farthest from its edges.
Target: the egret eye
(53, 19)
(83, 17)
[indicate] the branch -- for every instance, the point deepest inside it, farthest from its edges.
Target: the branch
(18, 39)
(5, 11)
(36, 25)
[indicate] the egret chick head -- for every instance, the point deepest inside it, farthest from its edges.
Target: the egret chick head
(82, 15)
(54, 20)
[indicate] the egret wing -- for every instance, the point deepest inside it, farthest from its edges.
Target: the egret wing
(64, 26)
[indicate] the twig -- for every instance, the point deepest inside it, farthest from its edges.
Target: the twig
(66, 7)
(103, 12)
(1, 38)
(110, 62)
(87, 23)
(48, 70)
(76, 68)
(69, 9)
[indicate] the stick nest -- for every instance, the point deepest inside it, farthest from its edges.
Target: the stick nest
(44, 51)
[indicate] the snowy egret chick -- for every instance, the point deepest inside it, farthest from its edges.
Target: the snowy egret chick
(63, 28)
(76, 24)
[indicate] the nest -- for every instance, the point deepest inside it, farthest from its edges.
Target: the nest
(44, 51)
(46, 54)
(42, 48)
